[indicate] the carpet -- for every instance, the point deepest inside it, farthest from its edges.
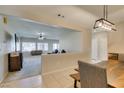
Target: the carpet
(31, 67)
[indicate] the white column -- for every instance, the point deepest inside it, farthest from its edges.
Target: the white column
(99, 46)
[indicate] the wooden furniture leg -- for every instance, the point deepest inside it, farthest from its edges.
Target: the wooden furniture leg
(76, 78)
(75, 83)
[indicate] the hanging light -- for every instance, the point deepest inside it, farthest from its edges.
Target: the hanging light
(103, 24)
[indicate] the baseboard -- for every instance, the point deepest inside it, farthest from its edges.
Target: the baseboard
(4, 78)
(0, 82)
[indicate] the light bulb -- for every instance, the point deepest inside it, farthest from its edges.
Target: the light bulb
(100, 24)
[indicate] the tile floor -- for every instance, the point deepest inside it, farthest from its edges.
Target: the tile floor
(53, 80)
(27, 79)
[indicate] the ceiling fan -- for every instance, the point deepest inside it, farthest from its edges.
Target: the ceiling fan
(41, 36)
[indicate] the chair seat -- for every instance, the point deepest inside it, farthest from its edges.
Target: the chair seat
(75, 76)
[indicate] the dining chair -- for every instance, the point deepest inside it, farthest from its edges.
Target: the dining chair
(92, 76)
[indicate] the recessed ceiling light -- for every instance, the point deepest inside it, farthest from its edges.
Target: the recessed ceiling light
(59, 14)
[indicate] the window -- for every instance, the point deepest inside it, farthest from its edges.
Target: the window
(42, 46)
(46, 46)
(55, 46)
(18, 46)
(28, 46)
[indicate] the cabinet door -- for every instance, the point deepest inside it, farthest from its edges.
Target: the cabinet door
(15, 63)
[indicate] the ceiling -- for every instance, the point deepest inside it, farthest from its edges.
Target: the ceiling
(75, 18)
(97, 10)
(79, 17)
(27, 28)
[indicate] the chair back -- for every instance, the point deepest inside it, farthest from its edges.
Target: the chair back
(92, 76)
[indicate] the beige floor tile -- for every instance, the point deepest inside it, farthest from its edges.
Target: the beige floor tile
(31, 82)
(51, 82)
(63, 81)
(60, 79)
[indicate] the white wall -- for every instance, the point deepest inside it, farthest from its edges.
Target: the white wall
(71, 41)
(2, 74)
(76, 41)
(100, 46)
(5, 48)
(58, 62)
(86, 36)
(116, 40)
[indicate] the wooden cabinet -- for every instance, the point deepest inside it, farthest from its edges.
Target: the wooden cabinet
(15, 62)
(113, 56)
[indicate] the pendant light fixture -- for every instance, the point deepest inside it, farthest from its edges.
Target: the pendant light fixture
(103, 24)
